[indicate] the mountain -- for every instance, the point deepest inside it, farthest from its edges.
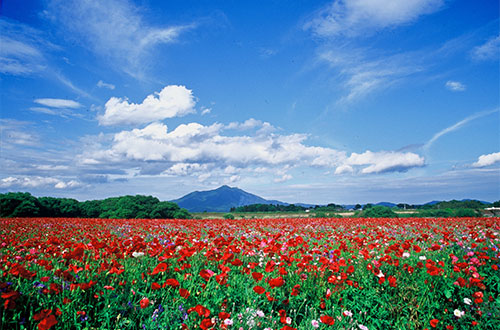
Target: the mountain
(387, 204)
(220, 200)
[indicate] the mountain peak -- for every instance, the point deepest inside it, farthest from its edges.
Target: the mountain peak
(221, 199)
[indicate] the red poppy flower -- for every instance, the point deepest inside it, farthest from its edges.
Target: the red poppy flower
(224, 315)
(184, 293)
(276, 282)
(327, 320)
(282, 316)
(392, 281)
(258, 289)
(206, 274)
(47, 322)
(155, 286)
(433, 322)
(144, 303)
(200, 310)
(172, 282)
(206, 324)
(257, 276)
(162, 267)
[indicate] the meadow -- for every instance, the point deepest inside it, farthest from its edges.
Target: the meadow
(316, 273)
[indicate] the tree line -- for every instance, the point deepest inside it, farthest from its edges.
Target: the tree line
(18, 204)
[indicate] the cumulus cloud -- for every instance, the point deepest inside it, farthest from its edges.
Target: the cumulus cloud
(487, 160)
(115, 30)
(58, 103)
(171, 101)
(102, 84)
(356, 17)
(455, 86)
(384, 161)
(37, 181)
(490, 50)
(207, 151)
(196, 143)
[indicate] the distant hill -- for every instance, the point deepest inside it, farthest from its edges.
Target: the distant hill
(220, 200)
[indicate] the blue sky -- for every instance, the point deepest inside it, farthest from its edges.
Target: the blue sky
(300, 101)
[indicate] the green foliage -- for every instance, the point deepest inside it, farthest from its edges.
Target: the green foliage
(268, 208)
(228, 216)
(123, 207)
(454, 204)
(60, 207)
(466, 213)
(19, 205)
(321, 214)
(378, 211)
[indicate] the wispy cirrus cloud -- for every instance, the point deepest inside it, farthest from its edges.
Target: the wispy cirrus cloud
(58, 103)
(14, 132)
(102, 84)
(364, 17)
(363, 73)
(457, 126)
(490, 50)
(21, 52)
(115, 30)
(26, 52)
(362, 70)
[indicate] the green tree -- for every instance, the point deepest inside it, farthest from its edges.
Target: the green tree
(378, 211)
(17, 204)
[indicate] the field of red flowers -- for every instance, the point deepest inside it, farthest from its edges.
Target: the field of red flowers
(406, 273)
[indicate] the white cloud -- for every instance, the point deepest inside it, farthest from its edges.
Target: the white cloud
(206, 152)
(487, 160)
(490, 50)
(25, 51)
(44, 110)
(384, 161)
(172, 101)
(15, 132)
(115, 30)
(344, 168)
(37, 181)
(20, 52)
(361, 75)
(199, 144)
(102, 84)
(455, 86)
(52, 167)
(283, 178)
(58, 103)
(361, 17)
(205, 111)
(457, 126)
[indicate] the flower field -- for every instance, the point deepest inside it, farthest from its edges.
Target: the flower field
(409, 273)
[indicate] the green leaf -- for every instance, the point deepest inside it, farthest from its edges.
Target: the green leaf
(447, 294)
